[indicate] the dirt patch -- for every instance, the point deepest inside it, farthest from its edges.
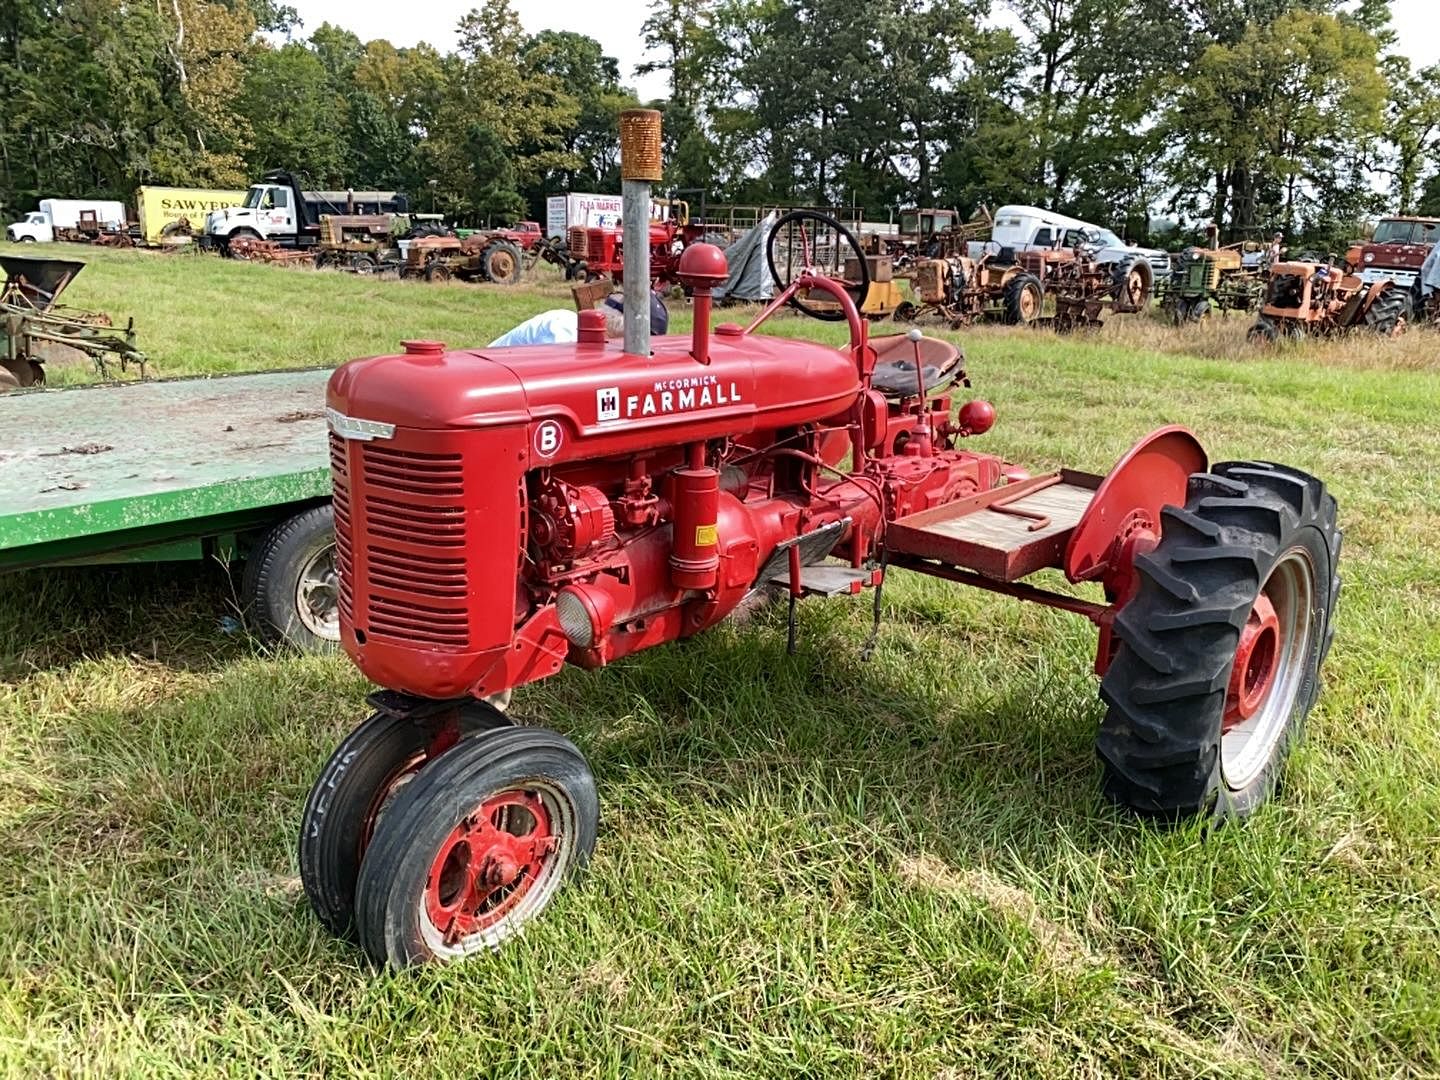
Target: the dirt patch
(1065, 948)
(84, 448)
(298, 415)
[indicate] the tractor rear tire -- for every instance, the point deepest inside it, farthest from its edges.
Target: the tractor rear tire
(1220, 650)
(350, 795)
(289, 585)
(1132, 284)
(475, 847)
(1386, 316)
(1023, 300)
(503, 263)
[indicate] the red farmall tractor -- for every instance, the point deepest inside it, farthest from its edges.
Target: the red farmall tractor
(501, 513)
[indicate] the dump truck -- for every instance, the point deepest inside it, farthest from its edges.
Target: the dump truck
(277, 209)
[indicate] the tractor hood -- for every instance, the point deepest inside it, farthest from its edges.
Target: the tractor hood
(591, 400)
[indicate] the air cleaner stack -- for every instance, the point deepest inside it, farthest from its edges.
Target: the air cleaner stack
(640, 166)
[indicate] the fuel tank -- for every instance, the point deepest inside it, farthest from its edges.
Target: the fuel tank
(588, 400)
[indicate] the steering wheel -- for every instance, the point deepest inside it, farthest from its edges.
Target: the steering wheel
(805, 241)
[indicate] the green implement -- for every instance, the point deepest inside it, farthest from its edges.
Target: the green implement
(179, 469)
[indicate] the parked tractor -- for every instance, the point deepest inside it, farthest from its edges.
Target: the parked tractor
(481, 256)
(962, 290)
(501, 513)
(1315, 298)
(36, 326)
(359, 243)
(1213, 279)
(1084, 288)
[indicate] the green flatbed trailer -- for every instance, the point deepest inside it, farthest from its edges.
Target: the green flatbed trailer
(228, 467)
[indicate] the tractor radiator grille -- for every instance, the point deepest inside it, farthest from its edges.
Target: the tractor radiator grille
(415, 529)
(340, 500)
(575, 241)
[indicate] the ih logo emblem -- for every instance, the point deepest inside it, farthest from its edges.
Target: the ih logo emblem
(607, 403)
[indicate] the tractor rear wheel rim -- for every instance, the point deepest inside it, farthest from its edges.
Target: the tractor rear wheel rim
(1271, 665)
(502, 265)
(498, 868)
(317, 595)
(1029, 304)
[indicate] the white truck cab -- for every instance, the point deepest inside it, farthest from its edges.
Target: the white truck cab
(36, 226)
(1031, 228)
(268, 213)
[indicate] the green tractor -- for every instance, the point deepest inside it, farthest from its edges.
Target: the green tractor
(1207, 280)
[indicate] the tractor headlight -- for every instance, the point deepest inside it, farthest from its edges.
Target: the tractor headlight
(579, 619)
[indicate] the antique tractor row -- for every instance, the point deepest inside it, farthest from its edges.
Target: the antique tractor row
(1310, 298)
(1015, 289)
(500, 514)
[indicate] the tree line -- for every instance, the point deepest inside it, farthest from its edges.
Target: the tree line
(1293, 115)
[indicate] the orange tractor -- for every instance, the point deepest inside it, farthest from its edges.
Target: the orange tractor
(1310, 298)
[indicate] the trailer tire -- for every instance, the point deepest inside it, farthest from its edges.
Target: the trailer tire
(351, 794)
(1219, 652)
(458, 820)
(1023, 299)
(503, 263)
(289, 587)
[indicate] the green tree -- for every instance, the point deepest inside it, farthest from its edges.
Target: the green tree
(299, 121)
(1412, 127)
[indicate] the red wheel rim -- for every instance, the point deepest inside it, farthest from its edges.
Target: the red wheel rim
(1255, 663)
(488, 864)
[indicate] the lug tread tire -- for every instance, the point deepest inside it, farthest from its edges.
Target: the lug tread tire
(1014, 288)
(394, 871)
(1386, 313)
(268, 583)
(1159, 742)
(340, 800)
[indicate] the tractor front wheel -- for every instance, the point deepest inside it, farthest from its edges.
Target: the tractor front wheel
(354, 790)
(475, 847)
(1220, 650)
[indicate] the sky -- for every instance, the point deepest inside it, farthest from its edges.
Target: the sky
(616, 25)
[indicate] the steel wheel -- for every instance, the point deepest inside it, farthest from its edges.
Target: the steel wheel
(475, 847)
(355, 790)
(317, 595)
(1271, 665)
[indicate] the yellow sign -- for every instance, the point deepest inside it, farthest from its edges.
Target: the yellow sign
(707, 535)
(161, 206)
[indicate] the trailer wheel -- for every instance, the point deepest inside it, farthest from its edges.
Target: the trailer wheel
(290, 585)
(1023, 299)
(1220, 650)
(475, 847)
(503, 263)
(353, 791)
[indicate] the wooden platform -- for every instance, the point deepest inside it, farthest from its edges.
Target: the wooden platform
(123, 456)
(1005, 534)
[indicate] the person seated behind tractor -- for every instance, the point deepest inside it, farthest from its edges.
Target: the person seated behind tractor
(562, 325)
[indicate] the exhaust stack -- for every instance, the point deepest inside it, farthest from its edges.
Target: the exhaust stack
(640, 166)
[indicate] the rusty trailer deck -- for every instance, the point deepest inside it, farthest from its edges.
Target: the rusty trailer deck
(92, 473)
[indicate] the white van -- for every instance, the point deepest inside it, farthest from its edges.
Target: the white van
(1030, 228)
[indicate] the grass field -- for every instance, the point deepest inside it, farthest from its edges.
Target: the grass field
(808, 866)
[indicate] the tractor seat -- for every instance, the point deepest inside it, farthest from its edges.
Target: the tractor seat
(894, 374)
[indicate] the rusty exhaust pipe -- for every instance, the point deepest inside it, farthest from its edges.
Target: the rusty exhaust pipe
(640, 166)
